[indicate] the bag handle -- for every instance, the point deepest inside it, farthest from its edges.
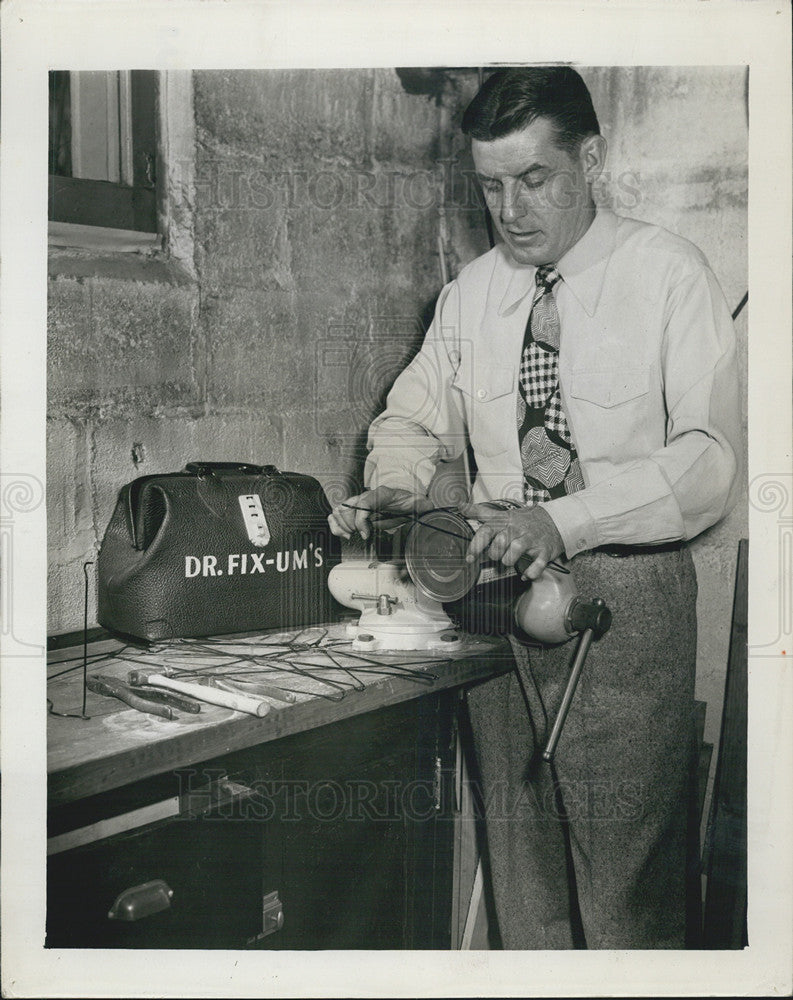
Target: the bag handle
(209, 468)
(144, 517)
(145, 506)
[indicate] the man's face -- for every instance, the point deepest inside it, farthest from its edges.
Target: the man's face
(538, 194)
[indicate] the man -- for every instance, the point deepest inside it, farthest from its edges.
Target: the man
(590, 362)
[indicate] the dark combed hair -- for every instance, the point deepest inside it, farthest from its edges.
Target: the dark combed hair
(511, 99)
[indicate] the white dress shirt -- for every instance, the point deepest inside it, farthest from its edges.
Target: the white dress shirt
(648, 380)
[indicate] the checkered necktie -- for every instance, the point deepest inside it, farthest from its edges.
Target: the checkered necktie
(550, 464)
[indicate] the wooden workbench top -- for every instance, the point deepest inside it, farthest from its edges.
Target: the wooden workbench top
(117, 745)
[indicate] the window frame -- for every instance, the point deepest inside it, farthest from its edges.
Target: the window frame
(175, 173)
(125, 197)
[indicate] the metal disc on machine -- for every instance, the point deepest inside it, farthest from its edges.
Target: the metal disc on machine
(435, 555)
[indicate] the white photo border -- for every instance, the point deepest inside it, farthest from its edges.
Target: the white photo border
(38, 35)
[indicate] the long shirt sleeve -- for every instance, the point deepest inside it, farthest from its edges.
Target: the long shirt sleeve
(648, 380)
(424, 422)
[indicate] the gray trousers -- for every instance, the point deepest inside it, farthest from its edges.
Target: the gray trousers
(592, 850)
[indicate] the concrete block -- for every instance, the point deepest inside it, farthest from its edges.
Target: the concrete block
(250, 179)
(70, 526)
(68, 330)
(313, 444)
(150, 328)
(301, 114)
(341, 264)
(258, 357)
(677, 155)
(724, 536)
(355, 233)
(246, 248)
(664, 105)
(334, 262)
(356, 372)
(715, 577)
(406, 127)
(355, 358)
(66, 593)
(117, 345)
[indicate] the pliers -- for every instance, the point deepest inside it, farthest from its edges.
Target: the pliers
(144, 699)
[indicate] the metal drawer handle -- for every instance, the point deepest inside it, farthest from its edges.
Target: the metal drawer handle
(272, 916)
(141, 901)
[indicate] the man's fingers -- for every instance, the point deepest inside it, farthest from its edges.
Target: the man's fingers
(474, 511)
(500, 544)
(362, 522)
(343, 517)
(355, 514)
(384, 498)
(386, 522)
(480, 542)
(337, 527)
(535, 569)
(342, 521)
(517, 547)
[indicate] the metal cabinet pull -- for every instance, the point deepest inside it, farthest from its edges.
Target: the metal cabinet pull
(141, 901)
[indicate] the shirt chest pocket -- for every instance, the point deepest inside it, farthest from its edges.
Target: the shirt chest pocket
(610, 413)
(488, 395)
(609, 390)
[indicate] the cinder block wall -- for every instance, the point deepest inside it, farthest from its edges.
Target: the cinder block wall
(315, 255)
(318, 207)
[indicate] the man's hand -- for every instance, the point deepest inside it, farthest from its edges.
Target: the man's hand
(509, 534)
(355, 513)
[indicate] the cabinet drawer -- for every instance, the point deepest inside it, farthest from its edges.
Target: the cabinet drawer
(211, 866)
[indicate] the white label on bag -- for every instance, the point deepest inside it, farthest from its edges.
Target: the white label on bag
(253, 516)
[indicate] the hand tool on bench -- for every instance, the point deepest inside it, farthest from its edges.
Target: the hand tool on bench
(202, 692)
(112, 687)
(167, 698)
(254, 688)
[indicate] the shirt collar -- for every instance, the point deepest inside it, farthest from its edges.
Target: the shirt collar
(582, 268)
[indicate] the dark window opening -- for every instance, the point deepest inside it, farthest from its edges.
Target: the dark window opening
(103, 141)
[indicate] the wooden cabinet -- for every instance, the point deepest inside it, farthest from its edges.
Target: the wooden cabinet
(345, 830)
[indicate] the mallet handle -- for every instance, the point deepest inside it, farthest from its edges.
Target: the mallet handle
(210, 695)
